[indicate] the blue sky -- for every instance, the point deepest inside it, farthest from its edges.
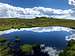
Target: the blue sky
(37, 8)
(60, 4)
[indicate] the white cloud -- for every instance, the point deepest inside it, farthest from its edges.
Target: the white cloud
(11, 11)
(7, 10)
(72, 2)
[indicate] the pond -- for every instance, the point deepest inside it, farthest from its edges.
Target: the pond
(53, 36)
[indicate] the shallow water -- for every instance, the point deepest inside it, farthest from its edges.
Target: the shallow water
(52, 39)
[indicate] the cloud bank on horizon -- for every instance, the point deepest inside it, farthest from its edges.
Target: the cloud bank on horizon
(9, 11)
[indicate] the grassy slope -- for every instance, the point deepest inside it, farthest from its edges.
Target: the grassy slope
(37, 22)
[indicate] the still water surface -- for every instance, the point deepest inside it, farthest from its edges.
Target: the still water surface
(51, 39)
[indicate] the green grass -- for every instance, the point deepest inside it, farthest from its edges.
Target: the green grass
(2, 47)
(2, 40)
(26, 48)
(9, 23)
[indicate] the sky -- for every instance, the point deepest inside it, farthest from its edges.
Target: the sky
(37, 8)
(62, 4)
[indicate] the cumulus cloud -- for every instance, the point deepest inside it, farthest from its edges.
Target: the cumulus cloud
(9, 11)
(72, 2)
(72, 6)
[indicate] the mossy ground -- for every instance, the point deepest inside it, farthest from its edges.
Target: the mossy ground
(9, 23)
